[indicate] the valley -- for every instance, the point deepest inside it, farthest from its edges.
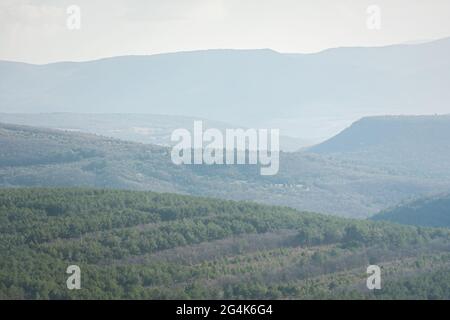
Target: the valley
(327, 178)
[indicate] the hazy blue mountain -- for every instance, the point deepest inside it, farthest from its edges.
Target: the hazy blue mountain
(52, 158)
(416, 145)
(245, 87)
(144, 128)
(428, 212)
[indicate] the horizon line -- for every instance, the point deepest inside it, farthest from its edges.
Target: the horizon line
(408, 43)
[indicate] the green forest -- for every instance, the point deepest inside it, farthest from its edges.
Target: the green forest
(145, 245)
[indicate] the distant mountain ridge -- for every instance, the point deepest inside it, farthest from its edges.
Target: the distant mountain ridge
(245, 87)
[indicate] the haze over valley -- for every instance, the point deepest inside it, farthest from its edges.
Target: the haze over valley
(368, 167)
(307, 96)
(224, 149)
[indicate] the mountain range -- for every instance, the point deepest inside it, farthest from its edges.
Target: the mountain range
(86, 176)
(310, 96)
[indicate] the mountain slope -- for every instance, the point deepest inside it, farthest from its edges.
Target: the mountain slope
(428, 212)
(54, 158)
(412, 144)
(246, 87)
(141, 245)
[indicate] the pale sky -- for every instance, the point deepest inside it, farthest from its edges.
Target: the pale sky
(35, 31)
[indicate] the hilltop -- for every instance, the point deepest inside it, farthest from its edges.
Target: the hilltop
(415, 145)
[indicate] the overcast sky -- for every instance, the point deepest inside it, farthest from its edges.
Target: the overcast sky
(35, 31)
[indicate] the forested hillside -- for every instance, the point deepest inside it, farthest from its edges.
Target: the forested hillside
(140, 245)
(33, 157)
(412, 145)
(429, 212)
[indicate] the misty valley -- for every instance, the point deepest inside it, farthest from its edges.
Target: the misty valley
(228, 174)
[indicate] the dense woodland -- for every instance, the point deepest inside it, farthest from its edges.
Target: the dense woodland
(145, 245)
